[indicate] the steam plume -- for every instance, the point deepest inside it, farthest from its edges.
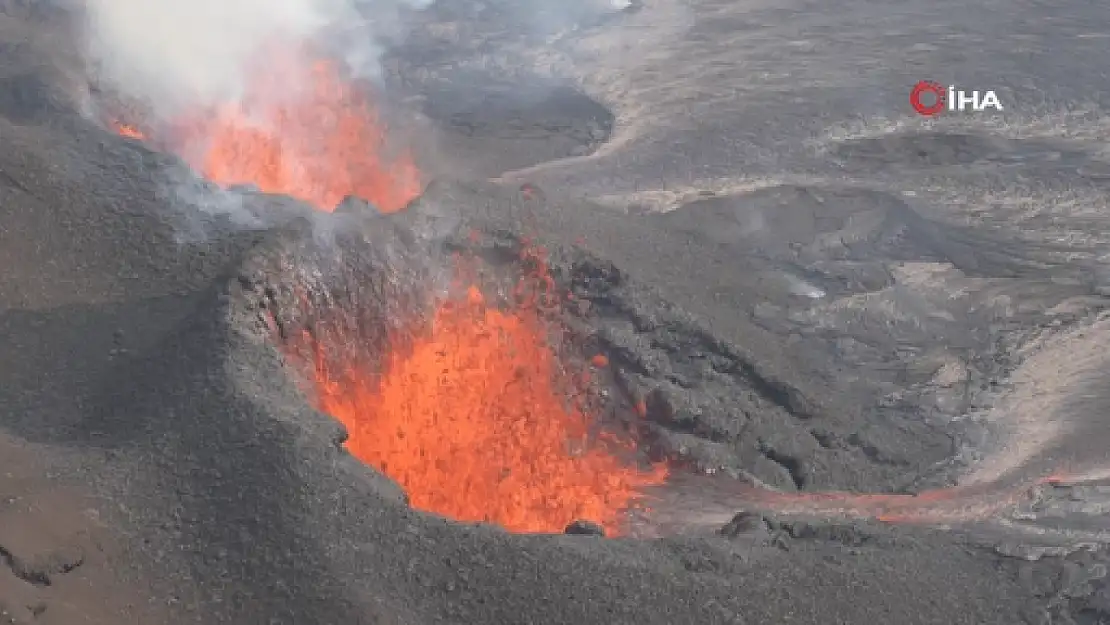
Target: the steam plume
(175, 57)
(171, 54)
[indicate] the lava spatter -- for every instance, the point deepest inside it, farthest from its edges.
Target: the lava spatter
(475, 417)
(472, 411)
(300, 129)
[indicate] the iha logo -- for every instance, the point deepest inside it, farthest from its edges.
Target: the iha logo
(930, 98)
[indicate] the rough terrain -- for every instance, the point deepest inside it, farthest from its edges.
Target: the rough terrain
(875, 306)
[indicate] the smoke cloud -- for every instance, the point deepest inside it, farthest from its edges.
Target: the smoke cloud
(171, 54)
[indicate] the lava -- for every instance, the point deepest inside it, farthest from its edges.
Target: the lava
(473, 415)
(299, 129)
(470, 411)
(129, 131)
(957, 504)
(692, 501)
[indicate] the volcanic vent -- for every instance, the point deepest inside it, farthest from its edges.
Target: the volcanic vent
(474, 396)
(301, 128)
(464, 395)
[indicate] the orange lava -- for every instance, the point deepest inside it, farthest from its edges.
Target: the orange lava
(300, 129)
(474, 417)
(129, 131)
(471, 413)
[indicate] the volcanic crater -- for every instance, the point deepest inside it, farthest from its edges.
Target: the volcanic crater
(532, 384)
(456, 349)
(259, 409)
(455, 362)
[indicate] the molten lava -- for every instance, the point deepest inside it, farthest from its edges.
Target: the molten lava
(476, 420)
(471, 413)
(299, 129)
(129, 131)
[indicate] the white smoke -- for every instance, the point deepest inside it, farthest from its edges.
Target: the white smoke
(170, 57)
(178, 53)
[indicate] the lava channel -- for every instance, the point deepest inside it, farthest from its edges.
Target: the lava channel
(704, 501)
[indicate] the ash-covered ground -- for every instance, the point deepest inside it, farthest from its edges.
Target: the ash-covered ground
(809, 290)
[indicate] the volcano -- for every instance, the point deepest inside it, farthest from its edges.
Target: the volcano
(805, 357)
(469, 408)
(472, 411)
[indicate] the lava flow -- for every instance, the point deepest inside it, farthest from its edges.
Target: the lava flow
(300, 129)
(474, 417)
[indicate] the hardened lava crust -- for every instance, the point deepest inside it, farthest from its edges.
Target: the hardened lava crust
(161, 463)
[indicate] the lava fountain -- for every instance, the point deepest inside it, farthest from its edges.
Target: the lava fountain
(301, 128)
(470, 410)
(474, 414)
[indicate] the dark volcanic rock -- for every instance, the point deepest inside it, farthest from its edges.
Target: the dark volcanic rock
(820, 530)
(489, 119)
(584, 528)
(743, 523)
(352, 205)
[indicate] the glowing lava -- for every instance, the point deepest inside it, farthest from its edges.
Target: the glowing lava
(471, 413)
(474, 417)
(299, 129)
(127, 130)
